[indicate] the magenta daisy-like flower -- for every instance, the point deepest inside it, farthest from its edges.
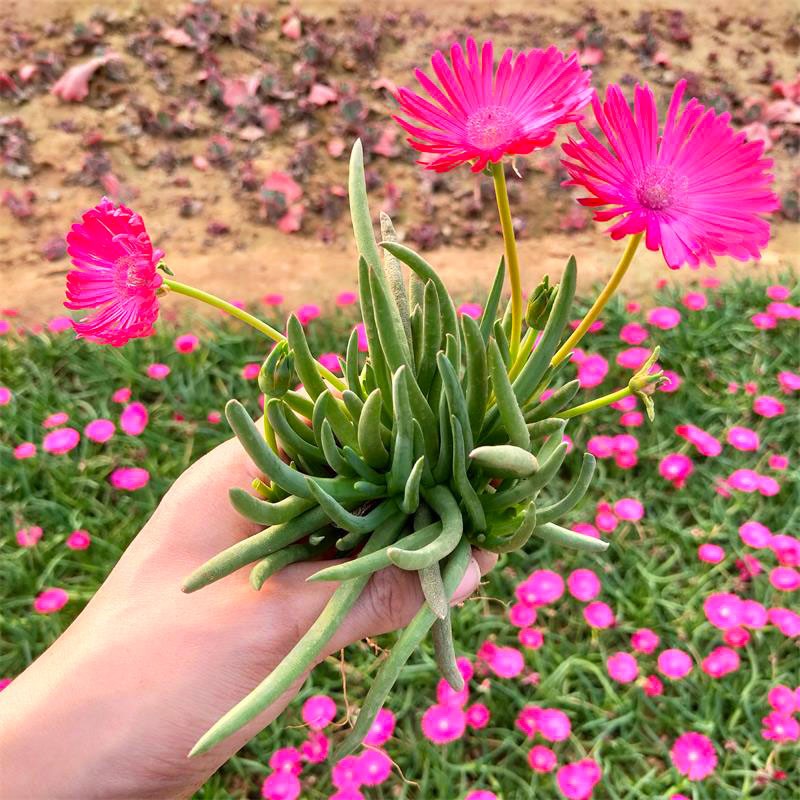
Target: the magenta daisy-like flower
(697, 189)
(115, 273)
(476, 114)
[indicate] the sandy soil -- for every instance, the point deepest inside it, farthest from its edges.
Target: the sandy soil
(732, 46)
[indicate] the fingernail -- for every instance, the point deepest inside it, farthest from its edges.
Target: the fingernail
(468, 583)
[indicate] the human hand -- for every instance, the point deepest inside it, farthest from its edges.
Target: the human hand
(112, 709)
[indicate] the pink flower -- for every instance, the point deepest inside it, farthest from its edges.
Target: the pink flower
(696, 189)
(622, 667)
(471, 310)
(481, 794)
(592, 371)
(50, 600)
(530, 638)
(780, 728)
(28, 537)
(644, 641)
(54, 420)
(786, 549)
(443, 724)
(778, 292)
(764, 321)
(768, 486)
(653, 686)
(375, 767)
(743, 438)
(674, 663)
(605, 520)
(79, 540)
(521, 615)
(720, 661)
(330, 361)
(768, 406)
(629, 508)
(789, 382)
(744, 480)
(553, 724)
(286, 759)
(61, 441)
(115, 272)
(705, 443)
(778, 462)
(129, 478)
(479, 115)
(318, 711)
(382, 728)
(664, 317)
(785, 579)
(478, 716)
(133, 419)
(447, 696)
(346, 773)
(527, 720)
(599, 615)
(672, 382)
(577, 781)
(121, 395)
(346, 299)
(710, 553)
(676, 468)
(736, 637)
(306, 313)
(250, 371)
(5, 395)
(631, 419)
(541, 588)
(272, 299)
(633, 333)
(600, 446)
(783, 699)
(753, 614)
(59, 324)
(694, 301)
(99, 430)
(315, 749)
(632, 357)
(25, 450)
(723, 610)
(583, 585)
(694, 756)
(506, 662)
(187, 343)
(755, 534)
(158, 371)
(281, 785)
(541, 758)
(363, 345)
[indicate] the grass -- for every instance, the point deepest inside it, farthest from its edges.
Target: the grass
(651, 574)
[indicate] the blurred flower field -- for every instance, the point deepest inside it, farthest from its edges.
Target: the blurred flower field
(668, 668)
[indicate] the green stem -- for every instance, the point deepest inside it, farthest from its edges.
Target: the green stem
(512, 258)
(244, 316)
(594, 312)
(593, 405)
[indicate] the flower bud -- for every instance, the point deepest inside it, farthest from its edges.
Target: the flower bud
(539, 302)
(276, 375)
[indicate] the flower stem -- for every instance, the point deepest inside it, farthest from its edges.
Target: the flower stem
(512, 258)
(244, 316)
(593, 405)
(602, 299)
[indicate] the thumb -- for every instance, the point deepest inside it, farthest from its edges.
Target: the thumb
(393, 596)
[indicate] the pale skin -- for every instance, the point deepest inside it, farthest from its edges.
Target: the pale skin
(114, 706)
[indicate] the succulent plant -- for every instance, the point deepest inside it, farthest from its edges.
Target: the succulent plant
(437, 443)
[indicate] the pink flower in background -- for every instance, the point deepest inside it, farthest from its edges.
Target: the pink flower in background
(672, 382)
(99, 430)
(306, 313)
(755, 534)
(344, 299)
(59, 324)
(753, 614)
(187, 343)
(653, 686)
(479, 115)
(633, 333)
(478, 716)
(789, 382)
(592, 371)
(5, 395)
(541, 758)
(743, 439)
(530, 638)
(315, 748)
(281, 785)
(674, 663)
(778, 292)
(79, 540)
(778, 462)
(710, 553)
(382, 728)
(24, 450)
(583, 585)
(541, 588)
(129, 478)
(629, 508)
(604, 519)
(644, 640)
(54, 420)
(114, 273)
(676, 468)
(664, 317)
(447, 696)
(28, 537)
(50, 600)
(622, 667)
(121, 395)
(720, 661)
(250, 371)
(705, 443)
(764, 321)
(61, 441)
(785, 579)
(158, 371)
(696, 189)
(694, 301)
(786, 549)
(553, 724)
(346, 773)
(471, 310)
(767, 406)
(599, 615)
(318, 711)
(521, 615)
(780, 728)
(577, 781)
(633, 357)
(375, 767)
(694, 756)
(723, 610)
(443, 724)
(505, 662)
(331, 362)
(481, 794)
(286, 759)
(783, 699)
(272, 299)
(133, 419)
(736, 637)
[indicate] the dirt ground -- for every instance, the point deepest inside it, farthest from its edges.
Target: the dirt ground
(146, 134)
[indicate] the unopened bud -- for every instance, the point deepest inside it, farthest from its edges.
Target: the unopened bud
(539, 302)
(276, 375)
